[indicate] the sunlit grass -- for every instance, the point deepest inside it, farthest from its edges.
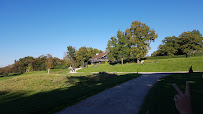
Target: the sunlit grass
(162, 65)
(39, 92)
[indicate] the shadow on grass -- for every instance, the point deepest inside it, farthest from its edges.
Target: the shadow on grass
(55, 100)
(160, 97)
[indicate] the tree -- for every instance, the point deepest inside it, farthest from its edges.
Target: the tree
(169, 47)
(118, 47)
(140, 36)
(83, 55)
(71, 54)
(92, 52)
(187, 42)
(49, 62)
(190, 41)
(112, 49)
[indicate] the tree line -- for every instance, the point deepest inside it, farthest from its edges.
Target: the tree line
(185, 43)
(28, 64)
(74, 58)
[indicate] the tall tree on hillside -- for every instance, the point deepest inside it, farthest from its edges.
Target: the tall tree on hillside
(71, 54)
(169, 47)
(140, 36)
(112, 49)
(118, 47)
(123, 46)
(190, 41)
(187, 42)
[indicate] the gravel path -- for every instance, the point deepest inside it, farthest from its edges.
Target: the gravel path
(122, 99)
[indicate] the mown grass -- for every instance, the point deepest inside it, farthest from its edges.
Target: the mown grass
(162, 65)
(39, 92)
(160, 97)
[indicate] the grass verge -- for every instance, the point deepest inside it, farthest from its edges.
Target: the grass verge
(160, 97)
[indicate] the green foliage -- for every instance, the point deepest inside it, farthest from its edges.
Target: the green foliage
(133, 44)
(118, 47)
(28, 64)
(49, 62)
(82, 55)
(160, 97)
(169, 46)
(190, 41)
(186, 43)
(71, 54)
(140, 36)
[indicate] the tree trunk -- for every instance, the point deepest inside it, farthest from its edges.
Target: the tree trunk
(121, 61)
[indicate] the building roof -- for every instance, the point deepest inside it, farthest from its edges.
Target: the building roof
(99, 55)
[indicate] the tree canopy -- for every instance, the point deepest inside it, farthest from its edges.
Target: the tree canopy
(134, 43)
(187, 42)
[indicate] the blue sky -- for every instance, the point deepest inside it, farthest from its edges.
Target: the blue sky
(36, 27)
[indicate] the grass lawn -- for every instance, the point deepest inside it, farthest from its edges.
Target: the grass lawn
(160, 97)
(5, 78)
(39, 92)
(162, 65)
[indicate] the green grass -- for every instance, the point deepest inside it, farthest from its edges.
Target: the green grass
(162, 65)
(5, 78)
(160, 97)
(52, 71)
(39, 92)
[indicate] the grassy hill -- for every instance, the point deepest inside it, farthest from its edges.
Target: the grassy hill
(39, 92)
(162, 65)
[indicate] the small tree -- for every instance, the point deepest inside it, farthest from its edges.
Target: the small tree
(118, 47)
(71, 54)
(49, 62)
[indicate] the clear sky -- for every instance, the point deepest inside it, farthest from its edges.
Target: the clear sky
(36, 27)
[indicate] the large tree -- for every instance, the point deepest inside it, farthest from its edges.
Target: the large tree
(169, 46)
(118, 47)
(112, 49)
(140, 35)
(187, 42)
(82, 55)
(190, 41)
(133, 44)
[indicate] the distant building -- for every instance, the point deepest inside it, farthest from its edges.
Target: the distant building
(98, 58)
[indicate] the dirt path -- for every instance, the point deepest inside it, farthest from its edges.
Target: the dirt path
(75, 70)
(122, 99)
